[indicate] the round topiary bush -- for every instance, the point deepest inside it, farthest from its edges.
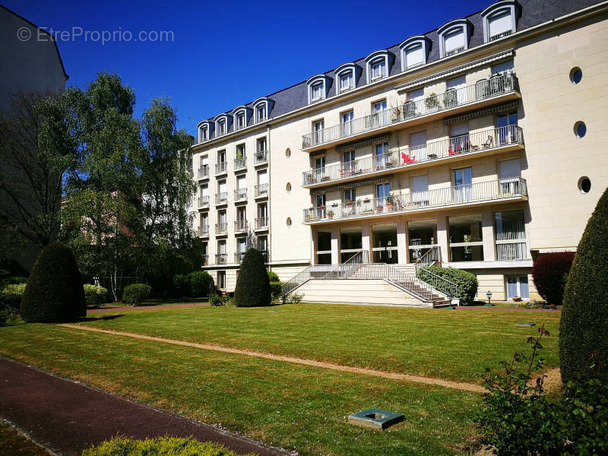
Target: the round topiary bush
(252, 286)
(54, 291)
(583, 338)
(135, 293)
(94, 295)
(201, 284)
(550, 272)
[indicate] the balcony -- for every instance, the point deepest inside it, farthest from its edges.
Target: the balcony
(238, 257)
(240, 194)
(261, 190)
(221, 258)
(221, 228)
(205, 259)
(203, 202)
(240, 226)
(240, 164)
(203, 172)
(260, 158)
(221, 167)
(471, 194)
(221, 198)
(203, 230)
(479, 143)
(485, 91)
(261, 223)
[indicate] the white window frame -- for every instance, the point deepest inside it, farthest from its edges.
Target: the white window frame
(221, 125)
(379, 57)
(412, 44)
(317, 88)
(499, 8)
(261, 105)
(203, 132)
(240, 113)
(348, 70)
(447, 30)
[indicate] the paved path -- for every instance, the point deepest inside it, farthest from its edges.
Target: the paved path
(113, 308)
(306, 362)
(68, 417)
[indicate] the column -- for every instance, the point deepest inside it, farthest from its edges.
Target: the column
(366, 244)
(402, 251)
(487, 231)
(442, 238)
(335, 246)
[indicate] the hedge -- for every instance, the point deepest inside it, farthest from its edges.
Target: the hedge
(252, 285)
(201, 284)
(11, 295)
(550, 272)
(276, 289)
(94, 295)
(135, 293)
(467, 282)
(160, 446)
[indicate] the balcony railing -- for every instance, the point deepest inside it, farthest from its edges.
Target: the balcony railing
(221, 198)
(221, 167)
(483, 89)
(512, 250)
(404, 156)
(240, 163)
(238, 257)
(203, 201)
(203, 230)
(221, 227)
(203, 172)
(261, 157)
(205, 260)
(240, 194)
(441, 197)
(240, 226)
(221, 258)
(261, 223)
(261, 190)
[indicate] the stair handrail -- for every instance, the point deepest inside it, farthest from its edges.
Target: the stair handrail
(344, 269)
(425, 261)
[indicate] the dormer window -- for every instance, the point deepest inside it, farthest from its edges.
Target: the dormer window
(378, 65)
(346, 76)
(414, 52)
(221, 127)
(240, 117)
(500, 19)
(454, 37)
(261, 109)
(317, 88)
(203, 133)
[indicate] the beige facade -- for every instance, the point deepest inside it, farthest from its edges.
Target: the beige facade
(477, 154)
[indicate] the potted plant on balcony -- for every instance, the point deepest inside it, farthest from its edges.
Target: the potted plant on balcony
(431, 102)
(390, 203)
(330, 214)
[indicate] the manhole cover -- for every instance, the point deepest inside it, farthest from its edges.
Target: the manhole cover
(525, 324)
(375, 418)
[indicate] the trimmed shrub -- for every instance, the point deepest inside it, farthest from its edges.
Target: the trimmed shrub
(273, 277)
(94, 295)
(12, 281)
(276, 288)
(219, 300)
(583, 345)
(182, 285)
(54, 291)
(173, 446)
(201, 284)
(467, 282)
(135, 293)
(549, 272)
(252, 286)
(11, 295)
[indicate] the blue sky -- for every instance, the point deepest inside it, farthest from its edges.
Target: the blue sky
(223, 54)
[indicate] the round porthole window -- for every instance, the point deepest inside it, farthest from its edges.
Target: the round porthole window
(576, 75)
(580, 129)
(288, 152)
(584, 184)
(288, 221)
(288, 187)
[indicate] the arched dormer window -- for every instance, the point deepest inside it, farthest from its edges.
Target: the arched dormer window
(205, 129)
(414, 52)
(454, 37)
(241, 115)
(500, 19)
(261, 109)
(222, 124)
(346, 77)
(318, 86)
(378, 65)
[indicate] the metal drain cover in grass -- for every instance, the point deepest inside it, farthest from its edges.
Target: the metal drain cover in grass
(525, 324)
(375, 418)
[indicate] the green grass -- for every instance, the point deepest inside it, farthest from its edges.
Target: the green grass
(292, 406)
(13, 443)
(454, 345)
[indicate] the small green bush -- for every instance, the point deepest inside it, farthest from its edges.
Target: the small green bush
(94, 295)
(161, 446)
(273, 277)
(252, 286)
(218, 300)
(54, 291)
(201, 284)
(135, 293)
(11, 295)
(12, 280)
(467, 282)
(276, 288)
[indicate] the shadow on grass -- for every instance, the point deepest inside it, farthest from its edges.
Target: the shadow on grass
(104, 317)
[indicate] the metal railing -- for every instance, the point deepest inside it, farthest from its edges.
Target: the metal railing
(483, 89)
(221, 167)
(435, 280)
(260, 157)
(203, 171)
(238, 257)
(261, 223)
(203, 201)
(203, 230)
(221, 227)
(221, 258)
(442, 197)
(240, 194)
(240, 226)
(491, 138)
(261, 190)
(221, 198)
(342, 271)
(240, 163)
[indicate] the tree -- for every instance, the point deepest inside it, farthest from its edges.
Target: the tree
(252, 285)
(550, 272)
(583, 341)
(54, 291)
(35, 152)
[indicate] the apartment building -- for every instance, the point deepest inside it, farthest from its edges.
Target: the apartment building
(476, 146)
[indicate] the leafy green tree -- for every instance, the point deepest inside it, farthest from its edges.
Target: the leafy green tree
(252, 285)
(583, 340)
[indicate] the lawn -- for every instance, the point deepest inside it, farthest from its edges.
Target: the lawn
(12, 443)
(288, 405)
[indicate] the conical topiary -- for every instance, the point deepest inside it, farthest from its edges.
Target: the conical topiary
(54, 291)
(252, 285)
(583, 339)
